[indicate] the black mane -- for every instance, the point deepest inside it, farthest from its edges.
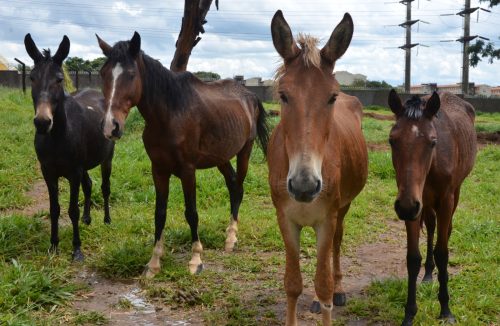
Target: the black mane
(159, 84)
(414, 108)
(46, 55)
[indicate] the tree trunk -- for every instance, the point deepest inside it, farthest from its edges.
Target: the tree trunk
(195, 12)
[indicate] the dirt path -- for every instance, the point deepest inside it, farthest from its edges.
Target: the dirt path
(39, 201)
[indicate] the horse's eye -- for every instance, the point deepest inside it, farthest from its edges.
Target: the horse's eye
(283, 98)
(332, 99)
(433, 142)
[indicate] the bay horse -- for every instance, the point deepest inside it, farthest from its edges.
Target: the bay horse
(190, 125)
(433, 145)
(317, 157)
(68, 139)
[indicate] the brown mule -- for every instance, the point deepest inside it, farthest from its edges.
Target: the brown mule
(190, 125)
(317, 158)
(433, 149)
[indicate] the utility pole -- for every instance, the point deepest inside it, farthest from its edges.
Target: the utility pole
(465, 55)
(408, 49)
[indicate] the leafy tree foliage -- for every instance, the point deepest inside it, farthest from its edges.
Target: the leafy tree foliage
(79, 64)
(370, 83)
(207, 75)
(481, 49)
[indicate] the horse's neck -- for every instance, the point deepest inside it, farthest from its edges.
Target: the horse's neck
(60, 117)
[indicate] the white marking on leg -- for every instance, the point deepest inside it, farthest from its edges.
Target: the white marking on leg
(231, 239)
(154, 265)
(108, 124)
(195, 263)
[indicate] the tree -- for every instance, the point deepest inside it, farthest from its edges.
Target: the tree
(207, 75)
(195, 12)
(480, 49)
(370, 84)
(79, 64)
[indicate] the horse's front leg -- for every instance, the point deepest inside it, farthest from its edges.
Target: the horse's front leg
(74, 213)
(188, 180)
(293, 278)
(413, 261)
(444, 215)
(161, 180)
(52, 183)
(323, 280)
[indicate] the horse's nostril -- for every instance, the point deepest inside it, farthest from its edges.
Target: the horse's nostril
(116, 126)
(318, 186)
(290, 188)
(417, 207)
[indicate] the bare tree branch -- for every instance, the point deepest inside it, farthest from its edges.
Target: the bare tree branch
(195, 12)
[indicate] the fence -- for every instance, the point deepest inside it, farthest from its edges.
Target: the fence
(379, 97)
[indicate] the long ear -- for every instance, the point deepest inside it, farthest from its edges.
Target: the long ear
(282, 37)
(339, 40)
(31, 48)
(105, 47)
(432, 106)
(135, 45)
(62, 51)
(395, 103)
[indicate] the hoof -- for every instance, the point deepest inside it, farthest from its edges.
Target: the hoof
(315, 307)
(427, 278)
(107, 220)
(53, 250)
(149, 273)
(447, 318)
(86, 220)
(195, 269)
(339, 299)
(408, 321)
(78, 256)
(230, 246)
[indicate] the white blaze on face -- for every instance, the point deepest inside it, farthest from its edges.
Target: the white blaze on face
(415, 130)
(108, 125)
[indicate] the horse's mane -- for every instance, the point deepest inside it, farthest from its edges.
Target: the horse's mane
(309, 52)
(159, 84)
(46, 55)
(413, 108)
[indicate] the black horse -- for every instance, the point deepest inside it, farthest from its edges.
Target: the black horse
(68, 139)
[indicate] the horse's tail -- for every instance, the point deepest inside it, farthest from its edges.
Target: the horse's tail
(262, 128)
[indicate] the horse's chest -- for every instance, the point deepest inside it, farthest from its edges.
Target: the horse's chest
(306, 214)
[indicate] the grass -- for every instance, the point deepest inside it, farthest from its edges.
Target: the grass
(244, 288)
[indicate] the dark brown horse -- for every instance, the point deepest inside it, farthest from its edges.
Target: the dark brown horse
(433, 149)
(68, 140)
(189, 125)
(317, 159)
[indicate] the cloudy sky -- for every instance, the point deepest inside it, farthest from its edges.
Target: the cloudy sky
(238, 41)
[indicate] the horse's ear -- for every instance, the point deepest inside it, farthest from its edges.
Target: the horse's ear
(432, 106)
(105, 47)
(62, 51)
(135, 45)
(395, 103)
(282, 37)
(339, 40)
(32, 49)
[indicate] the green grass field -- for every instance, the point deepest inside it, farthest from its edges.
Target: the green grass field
(243, 288)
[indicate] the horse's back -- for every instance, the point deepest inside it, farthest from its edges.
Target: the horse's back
(90, 99)
(352, 146)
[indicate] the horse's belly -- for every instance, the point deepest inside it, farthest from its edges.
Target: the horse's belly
(306, 214)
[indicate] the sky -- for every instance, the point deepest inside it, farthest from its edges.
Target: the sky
(238, 39)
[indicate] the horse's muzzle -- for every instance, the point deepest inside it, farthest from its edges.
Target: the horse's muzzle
(304, 189)
(42, 125)
(407, 211)
(113, 133)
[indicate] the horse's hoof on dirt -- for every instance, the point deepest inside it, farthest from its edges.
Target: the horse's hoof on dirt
(315, 307)
(447, 318)
(53, 250)
(78, 256)
(86, 220)
(339, 299)
(427, 278)
(149, 273)
(230, 246)
(195, 269)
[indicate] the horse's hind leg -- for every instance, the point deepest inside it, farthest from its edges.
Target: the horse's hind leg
(234, 183)
(105, 187)
(430, 224)
(87, 192)
(74, 214)
(188, 180)
(339, 297)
